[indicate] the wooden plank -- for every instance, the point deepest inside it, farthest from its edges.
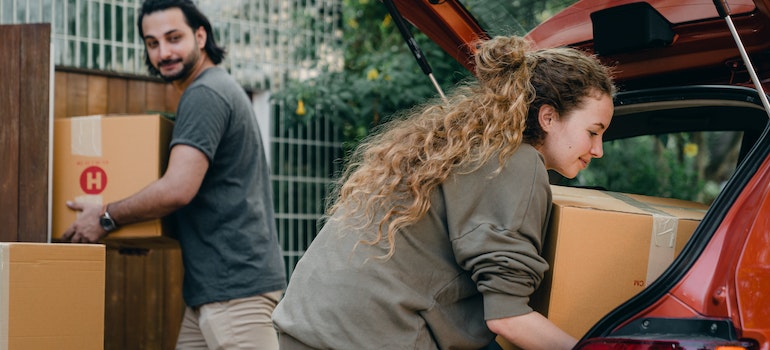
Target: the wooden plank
(152, 309)
(77, 95)
(115, 304)
(9, 132)
(156, 97)
(60, 95)
(34, 125)
(135, 298)
(173, 305)
(116, 95)
(97, 95)
(137, 96)
(172, 98)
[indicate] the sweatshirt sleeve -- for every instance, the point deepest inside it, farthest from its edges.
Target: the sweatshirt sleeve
(496, 226)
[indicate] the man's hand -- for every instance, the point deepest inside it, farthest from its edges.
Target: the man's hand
(86, 228)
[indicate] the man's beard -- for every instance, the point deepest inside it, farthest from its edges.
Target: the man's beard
(187, 66)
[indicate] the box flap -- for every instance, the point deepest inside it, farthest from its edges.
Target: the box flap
(626, 203)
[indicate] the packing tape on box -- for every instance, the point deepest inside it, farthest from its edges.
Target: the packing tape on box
(663, 239)
(86, 133)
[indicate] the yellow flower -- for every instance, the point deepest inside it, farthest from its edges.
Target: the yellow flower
(690, 150)
(353, 23)
(363, 2)
(372, 74)
(300, 108)
(386, 21)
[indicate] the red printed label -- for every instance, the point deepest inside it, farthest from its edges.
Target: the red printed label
(93, 180)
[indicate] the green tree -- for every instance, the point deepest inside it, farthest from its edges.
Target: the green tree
(379, 76)
(513, 17)
(691, 166)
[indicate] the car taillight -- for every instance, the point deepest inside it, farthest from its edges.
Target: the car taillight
(651, 344)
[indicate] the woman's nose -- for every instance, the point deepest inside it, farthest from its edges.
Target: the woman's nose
(597, 151)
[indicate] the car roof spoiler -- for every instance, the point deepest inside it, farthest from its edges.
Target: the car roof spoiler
(643, 27)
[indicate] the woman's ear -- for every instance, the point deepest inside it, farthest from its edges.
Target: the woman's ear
(547, 115)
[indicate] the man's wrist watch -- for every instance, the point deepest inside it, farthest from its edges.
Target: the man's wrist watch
(106, 221)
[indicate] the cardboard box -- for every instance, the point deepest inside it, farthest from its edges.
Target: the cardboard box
(51, 296)
(605, 247)
(101, 159)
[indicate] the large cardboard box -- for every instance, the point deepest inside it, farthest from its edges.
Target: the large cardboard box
(101, 159)
(51, 296)
(605, 247)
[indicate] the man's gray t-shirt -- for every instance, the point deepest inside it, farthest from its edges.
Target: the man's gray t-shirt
(227, 232)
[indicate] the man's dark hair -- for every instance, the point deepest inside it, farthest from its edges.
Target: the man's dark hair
(194, 18)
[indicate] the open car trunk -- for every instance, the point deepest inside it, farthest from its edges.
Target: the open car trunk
(684, 92)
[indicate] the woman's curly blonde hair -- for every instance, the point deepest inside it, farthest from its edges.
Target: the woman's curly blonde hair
(390, 176)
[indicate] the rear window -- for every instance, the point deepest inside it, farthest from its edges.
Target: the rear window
(692, 166)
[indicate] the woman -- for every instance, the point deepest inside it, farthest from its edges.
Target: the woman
(435, 236)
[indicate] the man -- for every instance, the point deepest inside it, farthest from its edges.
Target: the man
(216, 189)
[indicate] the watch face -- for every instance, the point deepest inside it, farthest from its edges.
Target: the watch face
(107, 223)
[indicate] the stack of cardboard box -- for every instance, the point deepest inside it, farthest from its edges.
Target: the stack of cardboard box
(52, 295)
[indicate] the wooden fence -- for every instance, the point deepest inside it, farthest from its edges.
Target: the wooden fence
(143, 299)
(24, 128)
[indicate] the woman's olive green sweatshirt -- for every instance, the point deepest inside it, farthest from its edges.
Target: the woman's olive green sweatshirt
(475, 256)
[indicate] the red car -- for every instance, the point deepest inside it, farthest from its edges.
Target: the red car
(680, 72)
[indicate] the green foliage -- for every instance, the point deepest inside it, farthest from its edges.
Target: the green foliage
(663, 166)
(513, 17)
(379, 75)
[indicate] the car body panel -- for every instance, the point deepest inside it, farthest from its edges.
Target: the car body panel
(447, 24)
(704, 52)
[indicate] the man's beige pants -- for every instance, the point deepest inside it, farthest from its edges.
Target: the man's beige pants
(244, 323)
